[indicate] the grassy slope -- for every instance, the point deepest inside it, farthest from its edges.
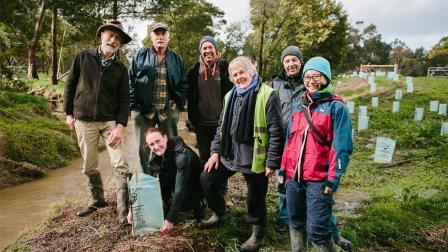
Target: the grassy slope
(33, 134)
(409, 202)
(405, 210)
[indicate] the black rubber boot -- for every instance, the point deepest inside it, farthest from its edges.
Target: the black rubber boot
(330, 246)
(97, 195)
(213, 221)
(122, 198)
(256, 240)
(345, 244)
(299, 241)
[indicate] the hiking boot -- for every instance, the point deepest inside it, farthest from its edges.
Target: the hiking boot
(345, 244)
(299, 241)
(330, 246)
(213, 221)
(97, 195)
(256, 240)
(90, 209)
(122, 198)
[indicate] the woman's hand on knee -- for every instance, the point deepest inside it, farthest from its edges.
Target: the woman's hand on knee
(213, 162)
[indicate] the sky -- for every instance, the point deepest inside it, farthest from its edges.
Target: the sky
(415, 22)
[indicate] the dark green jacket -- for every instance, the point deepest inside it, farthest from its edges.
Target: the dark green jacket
(142, 76)
(96, 93)
(179, 173)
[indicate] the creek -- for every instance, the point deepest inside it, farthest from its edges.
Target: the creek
(25, 205)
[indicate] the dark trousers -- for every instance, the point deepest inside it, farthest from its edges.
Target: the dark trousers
(309, 207)
(204, 138)
(257, 187)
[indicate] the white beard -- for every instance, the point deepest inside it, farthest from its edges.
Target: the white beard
(108, 49)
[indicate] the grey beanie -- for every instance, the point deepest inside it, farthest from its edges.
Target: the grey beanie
(208, 39)
(291, 50)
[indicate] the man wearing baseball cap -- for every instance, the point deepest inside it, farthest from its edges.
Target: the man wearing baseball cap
(158, 88)
(96, 104)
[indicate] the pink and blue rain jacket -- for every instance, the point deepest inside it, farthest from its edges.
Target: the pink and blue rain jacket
(306, 157)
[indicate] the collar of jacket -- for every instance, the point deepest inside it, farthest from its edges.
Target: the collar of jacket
(282, 75)
(94, 53)
(153, 50)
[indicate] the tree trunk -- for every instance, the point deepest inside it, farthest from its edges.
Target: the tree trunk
(33, 43)
(54, 50)
(115, 10)
(61, 49)
(260, 52)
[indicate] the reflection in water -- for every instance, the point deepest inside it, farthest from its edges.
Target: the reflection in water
(24, 205)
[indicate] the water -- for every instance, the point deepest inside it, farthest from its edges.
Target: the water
(24, 205)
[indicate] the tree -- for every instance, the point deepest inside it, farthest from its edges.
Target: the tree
(233, 43)
(34, 42)
(407, 62)
(438, 54)
(317, 27)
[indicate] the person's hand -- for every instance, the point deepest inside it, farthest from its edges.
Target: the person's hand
(269, 172)
(280, 179)
(167, 227)
(70, 121)
(115, 137)
(213, 162)
(328, 190)
(129, 217)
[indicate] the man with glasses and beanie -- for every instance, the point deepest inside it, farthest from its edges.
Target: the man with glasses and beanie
(96, 104)
(158, 88)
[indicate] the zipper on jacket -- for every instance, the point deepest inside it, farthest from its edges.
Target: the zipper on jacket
(97, 93)
(299, 161)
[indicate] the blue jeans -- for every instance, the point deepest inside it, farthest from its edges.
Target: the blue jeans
(310, 208)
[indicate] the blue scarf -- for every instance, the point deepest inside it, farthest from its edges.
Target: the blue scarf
(252, 85)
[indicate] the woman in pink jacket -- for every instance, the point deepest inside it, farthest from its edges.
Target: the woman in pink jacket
(315, 157)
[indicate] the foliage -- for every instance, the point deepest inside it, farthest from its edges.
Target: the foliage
(438, 55)
(365, 47)
(317, 27)
(233, 43)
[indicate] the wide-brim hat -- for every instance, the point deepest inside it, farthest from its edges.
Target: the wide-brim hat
(115, 25)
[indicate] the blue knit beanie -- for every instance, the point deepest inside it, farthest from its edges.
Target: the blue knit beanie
(319, 64)
(208, 39)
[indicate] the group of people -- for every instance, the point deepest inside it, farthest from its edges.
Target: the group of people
(295, 127)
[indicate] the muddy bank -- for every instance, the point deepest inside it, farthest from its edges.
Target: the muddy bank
(13, 173)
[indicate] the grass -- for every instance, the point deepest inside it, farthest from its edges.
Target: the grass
(408, 199)
(402, 205)
(33, 134)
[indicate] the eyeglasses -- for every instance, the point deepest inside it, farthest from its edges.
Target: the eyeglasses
(314, 77)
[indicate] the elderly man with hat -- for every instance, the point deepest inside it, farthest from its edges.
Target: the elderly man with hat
(158, 88)
(96, 104)
(208, 81)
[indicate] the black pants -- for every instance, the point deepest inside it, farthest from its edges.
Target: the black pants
(257, 187)
(204, 138)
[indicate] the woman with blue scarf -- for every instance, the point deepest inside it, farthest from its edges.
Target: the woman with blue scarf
(248, 140)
